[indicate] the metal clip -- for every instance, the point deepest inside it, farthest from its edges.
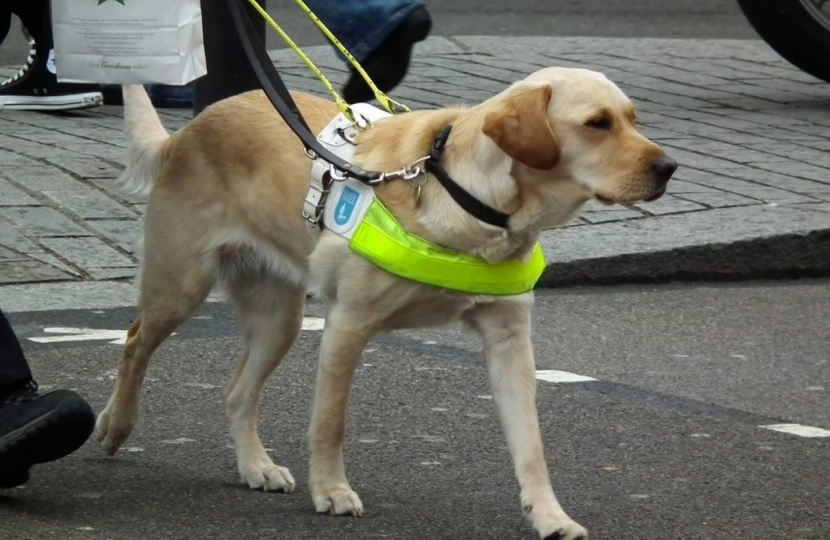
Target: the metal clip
(405, 173)
(341, 132)
(419, 160)
(418, 185)
(336, 175)
(411, 174)
(313, 219)
(361, 126)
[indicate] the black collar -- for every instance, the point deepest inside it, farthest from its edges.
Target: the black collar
(465, 200)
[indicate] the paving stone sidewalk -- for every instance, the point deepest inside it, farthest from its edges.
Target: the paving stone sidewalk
(752, 135)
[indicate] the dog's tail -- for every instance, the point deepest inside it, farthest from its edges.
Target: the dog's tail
(148, 143)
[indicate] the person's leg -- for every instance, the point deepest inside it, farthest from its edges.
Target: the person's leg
(14, 371)
(5, 22)
(36, 86)
(380, 34)
(24, 9)
(34, 428)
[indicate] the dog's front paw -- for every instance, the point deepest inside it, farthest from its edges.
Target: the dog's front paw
(337, 499)
(112, 429)
(556, 525)
(267, 477)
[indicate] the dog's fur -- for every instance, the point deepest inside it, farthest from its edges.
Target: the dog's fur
(225, 199)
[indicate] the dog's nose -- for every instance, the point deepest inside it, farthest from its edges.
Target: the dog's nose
(662, 168)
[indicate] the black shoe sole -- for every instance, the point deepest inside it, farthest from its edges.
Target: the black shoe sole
(388, 65)
(52, 436)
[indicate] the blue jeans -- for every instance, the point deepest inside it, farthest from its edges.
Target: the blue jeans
(362, 25)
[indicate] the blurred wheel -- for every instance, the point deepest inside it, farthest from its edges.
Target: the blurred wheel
(799, 30)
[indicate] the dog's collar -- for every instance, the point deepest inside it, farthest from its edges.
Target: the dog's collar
(464, 198)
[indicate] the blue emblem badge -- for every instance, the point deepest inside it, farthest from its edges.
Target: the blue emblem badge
(346, 205)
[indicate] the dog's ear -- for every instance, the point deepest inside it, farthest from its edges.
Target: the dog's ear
(519, 125)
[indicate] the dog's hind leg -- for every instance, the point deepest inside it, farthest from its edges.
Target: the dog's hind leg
(505, 329)
(271, 314)
(173, 285)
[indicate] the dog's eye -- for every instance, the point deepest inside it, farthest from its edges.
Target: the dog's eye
(602, 123)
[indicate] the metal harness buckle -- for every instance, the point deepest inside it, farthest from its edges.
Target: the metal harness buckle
(315, 200)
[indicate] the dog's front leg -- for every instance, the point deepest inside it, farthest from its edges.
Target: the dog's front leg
(343, 343)
(505, 329)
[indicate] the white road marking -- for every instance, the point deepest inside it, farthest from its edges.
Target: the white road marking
(180, 440)
(119, 337)
(798, 429)
(201, 386)
(555, 376)
(115, 337)
(313, 323)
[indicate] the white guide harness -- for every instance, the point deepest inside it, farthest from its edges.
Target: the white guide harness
(342, 204)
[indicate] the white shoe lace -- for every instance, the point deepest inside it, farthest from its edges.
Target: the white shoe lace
(29, 61)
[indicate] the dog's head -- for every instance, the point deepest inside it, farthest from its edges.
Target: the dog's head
(576, 125)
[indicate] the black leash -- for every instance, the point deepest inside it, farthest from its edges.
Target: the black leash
(465, 200)
(281, 99)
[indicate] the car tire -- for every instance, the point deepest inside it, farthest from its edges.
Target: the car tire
(797, 31)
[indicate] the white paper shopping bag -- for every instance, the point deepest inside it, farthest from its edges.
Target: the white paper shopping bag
(128, 41)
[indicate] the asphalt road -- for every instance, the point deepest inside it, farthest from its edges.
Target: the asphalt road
(665, 444)
(609, 18)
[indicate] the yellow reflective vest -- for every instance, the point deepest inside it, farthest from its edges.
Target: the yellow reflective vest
(380, 239)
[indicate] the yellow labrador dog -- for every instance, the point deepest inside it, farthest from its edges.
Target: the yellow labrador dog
(225, 200)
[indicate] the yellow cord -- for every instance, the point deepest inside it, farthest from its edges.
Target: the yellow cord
(339, 101)
(386, 102)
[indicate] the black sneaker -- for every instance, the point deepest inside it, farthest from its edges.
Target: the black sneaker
(36, 428)
(36, 88)
(387, 65)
